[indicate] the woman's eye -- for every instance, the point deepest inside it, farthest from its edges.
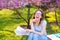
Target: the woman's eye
(38, 14)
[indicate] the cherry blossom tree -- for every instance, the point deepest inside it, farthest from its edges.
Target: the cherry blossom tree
(18, 4)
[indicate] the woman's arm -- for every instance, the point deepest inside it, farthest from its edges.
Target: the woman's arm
(42, 31)
(39, 33)
(32, 26)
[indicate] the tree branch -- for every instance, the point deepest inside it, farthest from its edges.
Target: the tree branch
(20, 15)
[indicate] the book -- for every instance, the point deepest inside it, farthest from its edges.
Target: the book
(20, 31)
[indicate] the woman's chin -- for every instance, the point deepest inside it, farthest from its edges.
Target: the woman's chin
(37, 19)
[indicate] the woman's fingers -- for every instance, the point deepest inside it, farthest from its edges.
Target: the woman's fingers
(26, 30)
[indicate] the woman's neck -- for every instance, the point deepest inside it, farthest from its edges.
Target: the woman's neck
(37, 23)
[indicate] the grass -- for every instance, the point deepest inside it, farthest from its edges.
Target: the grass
(8, 23)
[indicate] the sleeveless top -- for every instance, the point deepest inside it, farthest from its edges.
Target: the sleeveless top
(33, 36)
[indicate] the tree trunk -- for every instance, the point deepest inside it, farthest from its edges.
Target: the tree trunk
(28, 16)
(56, 18)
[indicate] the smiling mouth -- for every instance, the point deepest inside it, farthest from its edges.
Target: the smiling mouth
(37, 17)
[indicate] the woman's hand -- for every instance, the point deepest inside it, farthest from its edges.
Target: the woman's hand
(28, 30)
(34, 20)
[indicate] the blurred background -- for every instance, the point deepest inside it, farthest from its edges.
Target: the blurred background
(15, 13)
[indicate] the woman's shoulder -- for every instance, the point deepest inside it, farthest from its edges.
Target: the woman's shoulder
(44, 22)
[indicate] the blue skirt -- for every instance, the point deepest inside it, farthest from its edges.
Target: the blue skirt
(37, 37)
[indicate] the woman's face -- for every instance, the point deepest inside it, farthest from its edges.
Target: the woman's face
(38, 15)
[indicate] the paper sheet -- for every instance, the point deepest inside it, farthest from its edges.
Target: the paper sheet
(20, 31)
(53, 37)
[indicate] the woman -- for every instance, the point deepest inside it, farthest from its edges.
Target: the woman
(38, 27)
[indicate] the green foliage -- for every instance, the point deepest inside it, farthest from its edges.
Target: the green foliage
(9, 20)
